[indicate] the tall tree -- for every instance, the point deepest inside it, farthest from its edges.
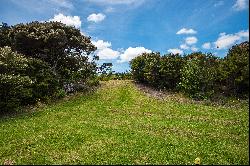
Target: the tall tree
(63, 47)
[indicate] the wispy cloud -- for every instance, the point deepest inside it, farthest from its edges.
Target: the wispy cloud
(184, 46)
(191, 40)
(186, 31)
(96, 17)
(241, 5)
(219, 3)
(117, 2)
(42, 6)
(206, 45)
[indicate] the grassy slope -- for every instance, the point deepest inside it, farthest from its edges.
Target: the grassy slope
(121, 125)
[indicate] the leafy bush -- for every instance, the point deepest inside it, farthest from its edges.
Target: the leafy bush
(15, 90)
(170, 66)
(145, 68)
(24, 80)
(15, 85)
(235, 70)
(199, 74)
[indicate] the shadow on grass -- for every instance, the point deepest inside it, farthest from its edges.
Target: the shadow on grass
(39, 107)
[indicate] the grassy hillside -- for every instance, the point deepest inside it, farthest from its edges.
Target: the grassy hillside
(121, 125)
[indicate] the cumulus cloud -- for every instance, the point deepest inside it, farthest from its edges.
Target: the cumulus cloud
(108, 53)
(100, 44)
(104, 51)
(227, 40)
(132, 52)
(68, 20)
(206, 45)
(96, 17)
(186, 31)
(175, 51)
(184, 46)
(241, 5)
(191, 40)
(193, 48)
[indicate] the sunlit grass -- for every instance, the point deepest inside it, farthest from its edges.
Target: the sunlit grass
(120, 125)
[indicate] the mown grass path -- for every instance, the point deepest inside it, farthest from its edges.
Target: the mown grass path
(119, 124)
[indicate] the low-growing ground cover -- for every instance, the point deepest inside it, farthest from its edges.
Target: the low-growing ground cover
(119, 124)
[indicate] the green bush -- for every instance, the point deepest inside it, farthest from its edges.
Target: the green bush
(170, 66)
(235, 71)
(24, 80)
(145, 68)
(198, 75)
(15, 90)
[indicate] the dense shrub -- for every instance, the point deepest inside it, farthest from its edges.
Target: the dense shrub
(24, 80)
(198, 75)
(15, 85)
(15, 90)
(235, 70)
(170, 66)
(137, 68)
(145, 68)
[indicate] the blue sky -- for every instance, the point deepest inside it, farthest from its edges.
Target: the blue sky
(122, 29)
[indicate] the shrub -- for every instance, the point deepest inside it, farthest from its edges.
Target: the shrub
(145, 68)
(24, 80)
(170, 66)
(198, 75)
(235, 70)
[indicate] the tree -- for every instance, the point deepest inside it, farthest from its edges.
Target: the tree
(4, 31)
(63, 47)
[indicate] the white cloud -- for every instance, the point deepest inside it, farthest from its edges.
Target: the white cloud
(96, 17)
(62, 3)
(227, 40)
(184, 46)
(116, 2)
(193, 48)
(100, 44)
(108, 53)
(131, 53)
(68, 20)
(45, 6)
(206, 45)
(175, 51)
(186, 31)
(104, 51)
(218, 3)
(191, 40)
(240, 5)
(109, 9)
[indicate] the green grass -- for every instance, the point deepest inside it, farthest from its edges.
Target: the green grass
(120, 125)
